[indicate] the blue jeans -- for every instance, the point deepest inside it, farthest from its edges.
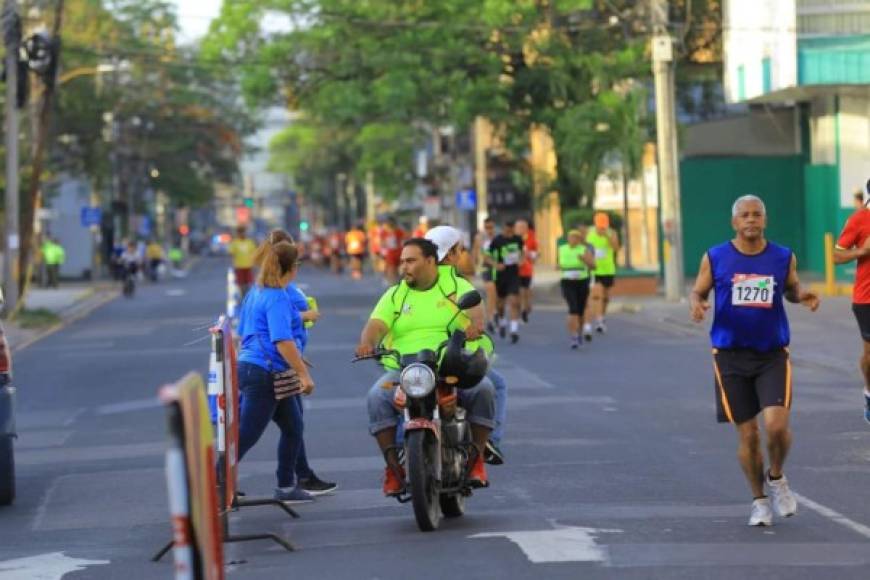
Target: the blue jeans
(258, 407)
(500, 404)
(303, 470)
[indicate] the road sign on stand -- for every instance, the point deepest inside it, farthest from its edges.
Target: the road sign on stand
(466, 200)
(91, 216)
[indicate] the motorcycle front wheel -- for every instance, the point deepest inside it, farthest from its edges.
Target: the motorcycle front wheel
(422, 448)
(453, 505)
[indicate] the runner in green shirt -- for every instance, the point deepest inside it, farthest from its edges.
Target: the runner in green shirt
(413, 315)
(605, 243)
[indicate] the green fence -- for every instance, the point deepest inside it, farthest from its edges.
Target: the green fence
(709, 186)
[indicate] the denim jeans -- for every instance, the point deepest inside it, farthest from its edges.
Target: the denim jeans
(500, 404)
(303, 470)
(258, 407)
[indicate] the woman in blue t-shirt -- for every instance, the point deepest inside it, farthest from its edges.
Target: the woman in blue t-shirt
(268, 345)
(308, 480)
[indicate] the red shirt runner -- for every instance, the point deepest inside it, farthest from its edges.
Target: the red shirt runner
(854, 235)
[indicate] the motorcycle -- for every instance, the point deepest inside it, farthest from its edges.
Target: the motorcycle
(438, 447)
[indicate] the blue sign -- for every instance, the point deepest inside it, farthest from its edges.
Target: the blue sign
(466, 199)
(91, 216)
(144, 228)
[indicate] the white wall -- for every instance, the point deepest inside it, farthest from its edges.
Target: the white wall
(754, 30)
(854, 146)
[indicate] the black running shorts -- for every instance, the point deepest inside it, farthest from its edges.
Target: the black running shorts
(507, 284)
(525, 281)
(576, 293)
(747, 381)
(862, 315)
(606, 281)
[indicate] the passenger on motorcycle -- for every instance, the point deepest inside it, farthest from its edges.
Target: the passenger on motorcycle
(411, 316)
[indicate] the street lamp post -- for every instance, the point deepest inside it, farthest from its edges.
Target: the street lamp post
(12, 40)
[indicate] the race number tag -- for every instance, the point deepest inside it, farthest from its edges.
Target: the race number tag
(600, 253)
(511, 258)
(752, 290)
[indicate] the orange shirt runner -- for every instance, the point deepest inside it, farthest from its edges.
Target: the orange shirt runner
(527, 267)
(854, 235)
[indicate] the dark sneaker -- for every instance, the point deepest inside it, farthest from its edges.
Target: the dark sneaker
(525, 315)
(515, 338)
(316, 486)
(575, 344)
(492, 454)
(867, 407)
(477, 477)
(502, 331)
(293, 495)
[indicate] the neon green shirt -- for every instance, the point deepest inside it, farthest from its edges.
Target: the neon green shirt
(571, 262)
(605, 257)
(418, 319)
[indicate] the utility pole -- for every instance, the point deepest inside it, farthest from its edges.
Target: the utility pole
(12, 40)
(666, 131)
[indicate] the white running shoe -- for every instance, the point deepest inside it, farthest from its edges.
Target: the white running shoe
(762, 515)
(784, 501)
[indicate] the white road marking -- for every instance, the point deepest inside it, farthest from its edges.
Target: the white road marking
(51, 566)
(176, 292)
(128, 406)
(567, 544)
(834, 516)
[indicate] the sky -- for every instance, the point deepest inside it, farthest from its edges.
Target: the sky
(194, 16)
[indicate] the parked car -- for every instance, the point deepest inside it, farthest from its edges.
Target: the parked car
(7, 420)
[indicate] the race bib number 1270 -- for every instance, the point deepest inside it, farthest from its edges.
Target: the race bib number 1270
(752, 290)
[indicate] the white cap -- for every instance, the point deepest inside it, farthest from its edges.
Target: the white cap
(444, 238)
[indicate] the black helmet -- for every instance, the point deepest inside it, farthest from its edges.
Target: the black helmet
(460, 368)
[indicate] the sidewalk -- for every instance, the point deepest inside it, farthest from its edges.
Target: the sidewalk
(827, 338)
(73, 300)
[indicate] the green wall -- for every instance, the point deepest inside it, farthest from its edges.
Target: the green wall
(709, 186)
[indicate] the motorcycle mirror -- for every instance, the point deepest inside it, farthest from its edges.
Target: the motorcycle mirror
(469, 300)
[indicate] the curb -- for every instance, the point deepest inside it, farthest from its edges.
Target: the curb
(78, 310)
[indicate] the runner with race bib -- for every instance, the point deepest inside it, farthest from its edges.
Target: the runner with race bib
(751, 278)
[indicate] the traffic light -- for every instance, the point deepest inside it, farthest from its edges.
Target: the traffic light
(249, 202)
(303, 226)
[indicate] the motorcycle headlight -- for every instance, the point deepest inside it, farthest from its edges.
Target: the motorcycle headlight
(417, 380)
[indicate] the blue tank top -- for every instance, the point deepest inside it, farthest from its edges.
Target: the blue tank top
(749, 309)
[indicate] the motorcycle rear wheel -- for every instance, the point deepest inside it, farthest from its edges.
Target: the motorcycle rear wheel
(422, 447)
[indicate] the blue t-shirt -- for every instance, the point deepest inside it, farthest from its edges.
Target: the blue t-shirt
(749, 311)
(267, 318)
(300, 333)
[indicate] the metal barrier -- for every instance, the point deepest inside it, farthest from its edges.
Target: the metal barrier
(224, 390)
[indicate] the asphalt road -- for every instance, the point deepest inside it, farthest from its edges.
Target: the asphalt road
(616, 467)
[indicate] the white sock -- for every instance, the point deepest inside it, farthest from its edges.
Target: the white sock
(866, 392)
(515, 326)
(503, 322)
(587, 327)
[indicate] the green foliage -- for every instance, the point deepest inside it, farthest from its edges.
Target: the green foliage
(381, 72)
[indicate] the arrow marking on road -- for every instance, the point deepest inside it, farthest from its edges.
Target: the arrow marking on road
(566, 544)
(50, 566)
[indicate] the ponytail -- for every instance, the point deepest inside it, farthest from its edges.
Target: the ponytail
(274, 237)
(276, 261)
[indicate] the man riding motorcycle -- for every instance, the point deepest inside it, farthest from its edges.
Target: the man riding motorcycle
(414, 315)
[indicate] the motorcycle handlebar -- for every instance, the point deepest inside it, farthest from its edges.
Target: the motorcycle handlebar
(377, 354)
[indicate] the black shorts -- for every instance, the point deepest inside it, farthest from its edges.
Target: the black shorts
(862, 315)
(748, 381)
(606, 281)
(576, 294)
(525, 281)
(507, 284)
